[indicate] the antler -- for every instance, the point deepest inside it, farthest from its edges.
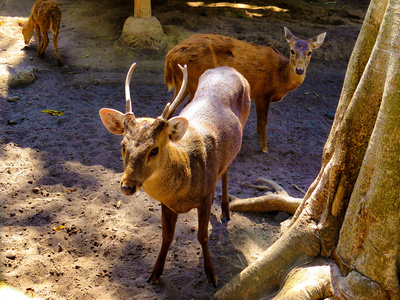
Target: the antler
(127, 91)
(170, 108)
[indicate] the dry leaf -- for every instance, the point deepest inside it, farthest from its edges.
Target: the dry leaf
(53, 112)
(58, 228)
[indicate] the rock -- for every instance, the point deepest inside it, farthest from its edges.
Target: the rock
(14, 76)
(10, 254)
(143, 33)
(13, 99)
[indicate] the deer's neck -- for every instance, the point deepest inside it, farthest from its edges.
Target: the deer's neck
(286, 80)
(289, 79)
(169, 182)
(31, 23)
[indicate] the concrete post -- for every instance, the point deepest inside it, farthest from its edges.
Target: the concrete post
(142, 9)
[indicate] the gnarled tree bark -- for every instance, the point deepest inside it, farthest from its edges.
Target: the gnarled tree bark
(344, 238)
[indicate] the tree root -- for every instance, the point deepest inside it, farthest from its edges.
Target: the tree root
(311, 280)
(355, 286)
(278, 188)
(292, 269)
(268, 273)
(278, 201)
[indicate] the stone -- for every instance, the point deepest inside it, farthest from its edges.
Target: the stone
(10, 254)
(143, 33)
(13, 99)
(15, 76)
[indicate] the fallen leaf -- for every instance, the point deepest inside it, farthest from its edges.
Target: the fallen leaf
(308, 93)
(71, 190)
(53, 112)
(58, 228)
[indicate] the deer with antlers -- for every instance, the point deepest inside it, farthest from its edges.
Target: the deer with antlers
(270, 74)
(45, 16)
(178, 160)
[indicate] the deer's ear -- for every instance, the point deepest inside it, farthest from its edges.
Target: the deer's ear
(290, 38)
(113, 120)
(177, 127)
(21, 23)
(317, 41)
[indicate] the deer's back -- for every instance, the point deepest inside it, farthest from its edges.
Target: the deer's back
(260, 65)
(46, 12)
(217, 115)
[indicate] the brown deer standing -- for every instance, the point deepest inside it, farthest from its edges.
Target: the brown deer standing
(270, 75)
(179, 160)
(45, 16)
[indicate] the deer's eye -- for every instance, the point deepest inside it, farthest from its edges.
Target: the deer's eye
(292, 52)
(309, 53)
(154, 152)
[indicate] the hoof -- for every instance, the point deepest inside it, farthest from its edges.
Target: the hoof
(151, 281)
(225, 220)
(214, 283)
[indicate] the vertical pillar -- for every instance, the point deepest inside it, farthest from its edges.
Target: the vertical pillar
(142, 9)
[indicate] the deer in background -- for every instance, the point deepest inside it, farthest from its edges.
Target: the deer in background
(270, 75)
(45, 16)
(178, 160)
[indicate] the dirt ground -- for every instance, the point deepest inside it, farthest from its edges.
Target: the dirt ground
(67, 231)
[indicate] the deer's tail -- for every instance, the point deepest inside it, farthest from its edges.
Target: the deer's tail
(170, 76)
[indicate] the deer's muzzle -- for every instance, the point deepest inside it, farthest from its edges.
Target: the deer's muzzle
(299, 71)
(131, 188)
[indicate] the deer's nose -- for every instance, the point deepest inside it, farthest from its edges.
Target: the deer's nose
(299, 71)
(130, 189)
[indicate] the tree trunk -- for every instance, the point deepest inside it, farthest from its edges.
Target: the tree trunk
(343, 242)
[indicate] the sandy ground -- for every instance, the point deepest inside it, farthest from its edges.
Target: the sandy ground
(66, 230)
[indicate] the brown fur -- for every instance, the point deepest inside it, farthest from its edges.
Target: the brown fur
(183, 173)
(45, 16)
(270, 75)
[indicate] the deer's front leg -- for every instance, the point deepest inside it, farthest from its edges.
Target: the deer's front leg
(204, 218)
(39, 39)
(262, 107)
(168, 229)
(45, 43)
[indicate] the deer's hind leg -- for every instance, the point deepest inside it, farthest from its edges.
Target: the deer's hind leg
(225, 215)
(55, 36)
(202, 235)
